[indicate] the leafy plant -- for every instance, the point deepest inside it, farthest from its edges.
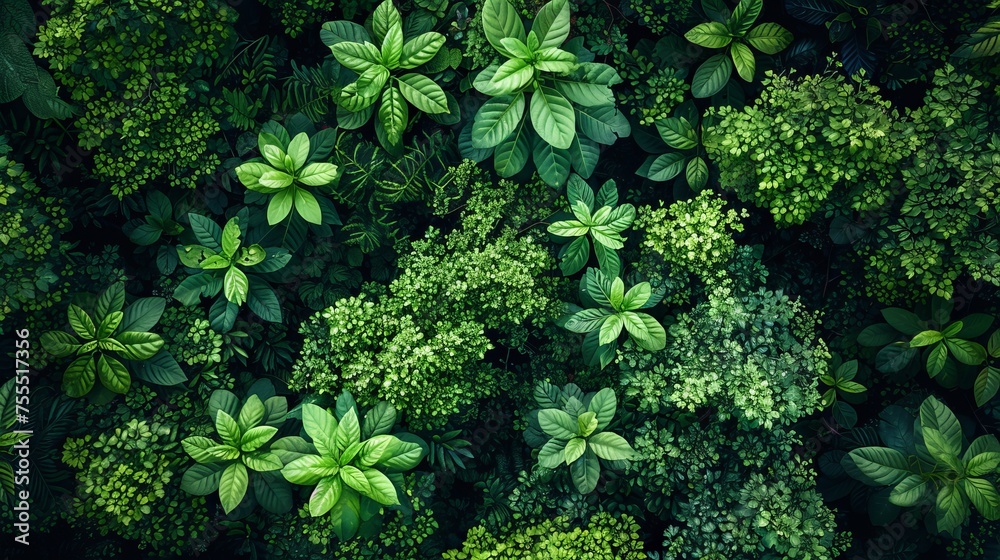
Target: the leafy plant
(736, 34)
(569, 429)
(855, 24)
(928, 464)
(682, 135)
(20, 77)
(603, 227)
(221, 264)
(111, 338)
(843, 390)
(289, 166)
(545, 100)
(611, 309)
(939, 342)
(449, 451)
(244, 458)
(354, 466)
(379, 67)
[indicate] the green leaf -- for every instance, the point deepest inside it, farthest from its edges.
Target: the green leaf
(611, 328)
(608, 259)
(500, 19)
(380, 488)
(394, 114)
(384, 18)
(984, 496)
(610, 447)
(925, 338)
(602, 124)
(553, 117)
(586, 423)
(966, 351)
(881, 465)
(359, 57)
(421, 49)
(405, 456)
(585, 472)
(937, 417)
(392, 46)
(197, 447)
(318, 174)
(877, 335)
(574, 449)
(574, 256)
(936, 359)
(587, 320)
(81, 322)
(744, 60)
(309, 469)
(711, 76)
(224, 400)
(677, 132)
(568, 228)
(231, 238)
(79, 377)
(557, 423)
(263, 301)
(556, 61)
(379, 420)
(769, 38)
(951, 509)
(110, 324)
(637, 296)
(744, 16)
(202, 480)
(551, 24)
(354, 478)
(512, 76)
(584, 154)
(909, 491)
(603, 405)
(983, 464)
(298, 150)
(113, 374)
(552, 164)
(711, 35)
(207, 232)
(903, 321)
(233, 486)
(308, 207)
(497, 119)
(987, 384)
(423, 93)
(139, 345)
(273, 492)
(325, 496)
(61, 344)
(512, 154)
(552, 454)
(227, 428)
(697, 173)
(235, 285)
(112, 300)
(665, 167)
(322, 427)
(251, 414)
(348, 431)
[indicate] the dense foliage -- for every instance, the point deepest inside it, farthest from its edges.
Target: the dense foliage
(621, 280)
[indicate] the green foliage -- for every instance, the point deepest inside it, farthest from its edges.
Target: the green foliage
(560, 90)
(110, 334)
(21, 78)
(606, 537)
(379, 77)
(420, 346)
(609, 310)
(244, 459)
(353, 464)
(735, 33)
(160, 221)
(928, 463)
(570, 429)
(657, 15)
(943, 229)
(653, 86)
(681, 135)
(765, 153)
(220, 263)
(603, 227)
(34, 264)
(746, 353)
(695, 235)
(126, 485)
(137, 68)
(842, 391)
(289, 166)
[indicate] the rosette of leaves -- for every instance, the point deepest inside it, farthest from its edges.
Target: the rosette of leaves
(289, 167)
(547, 102)
(603, 227)
(843, 391)
(735, 33)
(108, 340)
(610, 310)
(682, 150)
(160, 221)
(220, 263)
(569, 429)
(243, 460)
(8, 439)
(942, 345)
(355, 466)
(927, 463)
(381, 66)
